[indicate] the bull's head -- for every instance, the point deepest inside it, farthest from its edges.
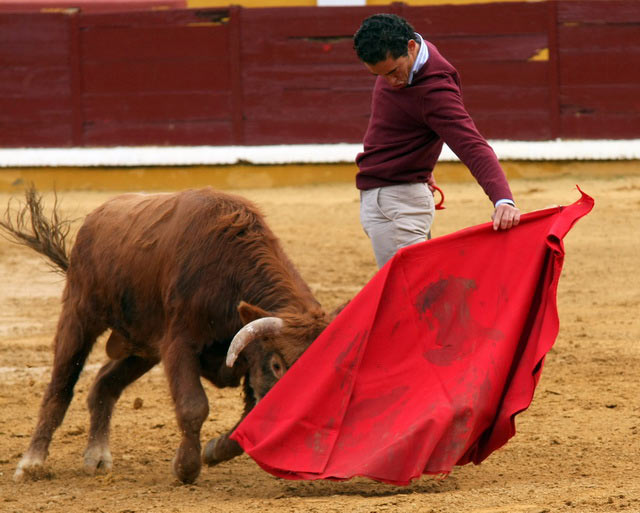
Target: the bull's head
(273, 343)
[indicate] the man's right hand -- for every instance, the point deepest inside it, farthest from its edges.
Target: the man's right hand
(505, 216)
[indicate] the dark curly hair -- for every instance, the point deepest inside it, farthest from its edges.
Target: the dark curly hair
(381, 35)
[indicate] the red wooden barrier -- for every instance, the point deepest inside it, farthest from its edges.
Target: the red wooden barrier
(36, 101)
(89, 6)
(156, 78)
(492, 46)
(530, 71)
(301, 77)
(599, 56)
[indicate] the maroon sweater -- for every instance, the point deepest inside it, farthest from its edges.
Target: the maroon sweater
(408, 126)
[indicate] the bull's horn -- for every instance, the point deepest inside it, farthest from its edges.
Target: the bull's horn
(250, 332)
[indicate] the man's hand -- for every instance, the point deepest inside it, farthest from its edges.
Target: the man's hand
(505, 216)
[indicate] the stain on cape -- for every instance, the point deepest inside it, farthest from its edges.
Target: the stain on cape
(444, 306)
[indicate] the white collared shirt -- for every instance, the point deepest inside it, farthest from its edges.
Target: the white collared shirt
(421, 58)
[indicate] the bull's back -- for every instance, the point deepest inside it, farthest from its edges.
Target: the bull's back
(118, 235)
(137, 248)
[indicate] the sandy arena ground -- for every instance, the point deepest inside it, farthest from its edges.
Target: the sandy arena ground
(577, 448)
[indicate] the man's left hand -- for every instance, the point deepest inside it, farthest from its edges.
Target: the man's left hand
(505, 216)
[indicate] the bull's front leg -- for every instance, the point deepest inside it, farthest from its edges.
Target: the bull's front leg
(183, 372)
(221, 449)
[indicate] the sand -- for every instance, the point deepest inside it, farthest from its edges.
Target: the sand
(577, 447)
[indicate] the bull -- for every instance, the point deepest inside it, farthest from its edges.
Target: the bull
(195, 279)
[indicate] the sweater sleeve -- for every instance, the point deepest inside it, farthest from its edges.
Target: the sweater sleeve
(444, 112)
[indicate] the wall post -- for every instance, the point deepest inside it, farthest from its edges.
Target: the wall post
(555, 123)
(235, 71)
(75, 68)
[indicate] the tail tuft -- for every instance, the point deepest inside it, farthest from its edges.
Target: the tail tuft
(29, 226)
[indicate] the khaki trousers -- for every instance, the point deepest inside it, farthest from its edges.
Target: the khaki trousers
(396, 216)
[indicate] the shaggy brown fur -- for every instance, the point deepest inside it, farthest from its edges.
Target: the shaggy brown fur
(167, 273)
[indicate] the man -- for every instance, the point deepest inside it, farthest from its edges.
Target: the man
(416, 106)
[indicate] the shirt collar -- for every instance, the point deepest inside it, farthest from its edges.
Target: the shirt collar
(421, 58)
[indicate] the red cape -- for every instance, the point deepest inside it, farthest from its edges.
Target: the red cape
(428, 365)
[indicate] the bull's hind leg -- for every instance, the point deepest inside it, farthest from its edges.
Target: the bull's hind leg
(182, 367)
(112, 379)
(74, 339)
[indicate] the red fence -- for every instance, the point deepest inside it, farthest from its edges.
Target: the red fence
(530, 71)
(599, 68)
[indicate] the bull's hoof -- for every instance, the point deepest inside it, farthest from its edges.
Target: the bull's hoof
(220, 449)
(187, 474)
(33, 470)
(97, 459)
(209, 453)
(186, 464)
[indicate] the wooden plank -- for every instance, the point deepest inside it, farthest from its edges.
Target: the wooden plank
(602, 11)
(604, 99)
(17, 133)
(32, 28)
(530, 74)
(275, 131)
(479, 19)
(303, 51)
(30, 54)
(601, 126)
(158, 107)
(530, 126)
(597, 68)
(312, 105)
(501, 99)
(168, 133)
(90, 5)
(28, 81)
(172, 17)
(510, 112)
(305, 22)
(168, 42)
(155, 76)
(353, 77)
(496, 47)
(599, 38)
(34, 109)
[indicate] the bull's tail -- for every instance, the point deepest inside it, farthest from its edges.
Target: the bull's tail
(30, 227)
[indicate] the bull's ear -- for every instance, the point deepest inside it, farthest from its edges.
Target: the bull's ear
(249, 313)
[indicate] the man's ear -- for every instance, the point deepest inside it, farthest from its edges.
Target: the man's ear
(412, 48)
(250, 313)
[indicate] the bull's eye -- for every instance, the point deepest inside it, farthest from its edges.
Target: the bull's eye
(277, 366)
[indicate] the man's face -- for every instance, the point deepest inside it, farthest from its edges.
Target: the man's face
(396, 71)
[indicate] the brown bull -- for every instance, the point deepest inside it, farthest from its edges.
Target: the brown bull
(175, 277)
